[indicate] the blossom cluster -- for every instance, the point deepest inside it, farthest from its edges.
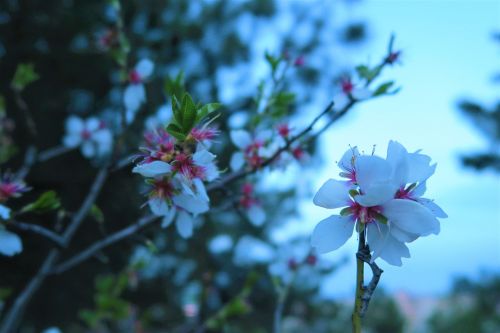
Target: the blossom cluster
(10, 243)
(176, 172)
(382, 197)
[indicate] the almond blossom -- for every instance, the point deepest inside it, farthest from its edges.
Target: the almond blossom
(135, 93)
(10, 243)
(91, 135)
(176, 176)
(349, 91)
(251, 206)
(376, 196)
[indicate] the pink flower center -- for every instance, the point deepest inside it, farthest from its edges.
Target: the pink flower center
(283, 130)
(163, 189)
(185, 165)
(252, 154)
(365, 214)
(134, 77)
(86, 134)
(347, 86)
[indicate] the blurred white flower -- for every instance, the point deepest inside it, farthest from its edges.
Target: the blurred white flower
(135, 93)
(250, 251)
(91, 135)
(10, 243)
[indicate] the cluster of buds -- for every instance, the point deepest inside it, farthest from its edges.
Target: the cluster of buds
(176, 172)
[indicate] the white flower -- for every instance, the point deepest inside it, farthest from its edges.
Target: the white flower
(253, 149)
(135, 93)
(10, 243)
(52, 330)
(371, 197)
(91, 135)
(349, 91)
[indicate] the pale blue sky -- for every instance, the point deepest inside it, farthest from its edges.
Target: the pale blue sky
(448, 53)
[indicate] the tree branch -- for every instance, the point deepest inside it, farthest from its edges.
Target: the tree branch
(364, 255)
(105, 242)
(39, 230)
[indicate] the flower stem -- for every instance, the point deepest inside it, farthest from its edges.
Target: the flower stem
(356, 314)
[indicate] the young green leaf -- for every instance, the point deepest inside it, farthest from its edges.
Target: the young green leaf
(46, 202)
(205, 110)
(383, 88)
(25, 74)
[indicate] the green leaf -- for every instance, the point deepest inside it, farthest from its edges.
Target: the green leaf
(46, 202)
(96, 213)
(25, 74)
(366, 73)
(4, 293)
(273, 61)
(206, 110)
(346, 211)
(383, 88)
(353, 193)
(176, 132)
(188, 109)
(175, 86)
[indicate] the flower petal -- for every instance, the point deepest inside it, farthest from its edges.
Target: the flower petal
(346, 163)
(370, 170)
(361, 93)
(159, 206)
(191, 203)
(184, 224)
(4, 212)
(410, 216)
(168, 218)
(397, 156)
(133, 96)
(237, 161)
(74, 125)
(333, 194)
(433, 207)
(10, 243)
(377, 194)
(241, 138)
(88, 149)
(385, 246)
(144, 68)
(153, 169)
(340, 101)
(331, 233)
(256, 215)
(92, 124)
(420, 168)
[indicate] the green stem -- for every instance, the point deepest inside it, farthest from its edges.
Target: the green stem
(356, 314)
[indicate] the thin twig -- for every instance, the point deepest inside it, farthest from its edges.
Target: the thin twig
(39, 230)
(50, 153)
(13, 316)
(105, 242)
(364, 255)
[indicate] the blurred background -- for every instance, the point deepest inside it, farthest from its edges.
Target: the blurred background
(231, 274)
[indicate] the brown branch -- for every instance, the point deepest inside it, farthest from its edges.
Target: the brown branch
(368, 290)
(105, 242)
(39, 230)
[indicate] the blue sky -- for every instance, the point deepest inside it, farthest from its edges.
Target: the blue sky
(448, 54)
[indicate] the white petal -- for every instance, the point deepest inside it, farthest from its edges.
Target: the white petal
(361, 93)
(168, 218)
(433, 207)
(371, 169)
(4, 212)
(256, 215)
(153, 169)
(402, 235)
(385, 246)
(92, 124)
(419, 190)
(397, 156)
(211, 172)
(133, 96)
(10, 243)
(250, 250)
(346, 163)
(190, 203)
(159, 206)
(203, 157)
(377, 194)
(72, 140)
(420, 168)
(88, 149)
(241, 138)
(144, 68)
(340, 101)
(184, 224)
(130, 116)
(52, 330)
(74, 125)
(332, 233)
(332, 194)
(411, 217)
(237, 161)
(164, 114)
(104, 141)
(201, 192)
(264, 135)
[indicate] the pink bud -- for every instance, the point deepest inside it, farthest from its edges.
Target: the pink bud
(134, 77)
(299, 62)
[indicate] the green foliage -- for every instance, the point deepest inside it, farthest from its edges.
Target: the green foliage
(383, 89)
(472, 307)
(46, 202)
(96, 213)
(187, 115)
(175, 86)
(108, 301)
(24, 75)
